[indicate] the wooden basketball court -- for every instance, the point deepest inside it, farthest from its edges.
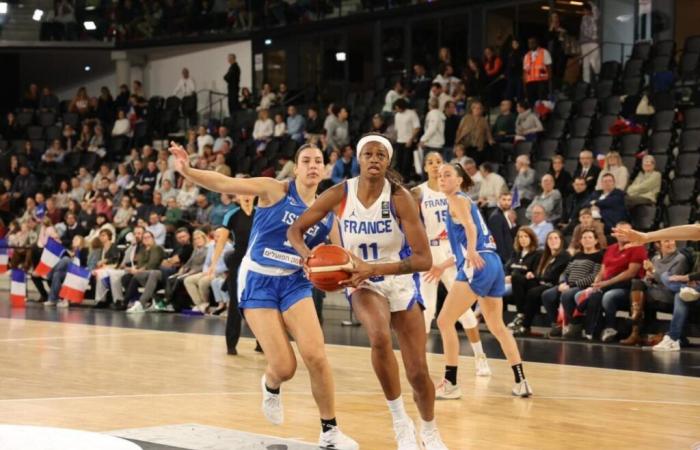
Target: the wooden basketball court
(105, 378)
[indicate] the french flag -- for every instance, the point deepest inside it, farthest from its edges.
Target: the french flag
(18, 287)
(49, 258)
(75, 284)
(3, 256)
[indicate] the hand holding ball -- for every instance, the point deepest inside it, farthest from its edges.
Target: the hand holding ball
(327, 266)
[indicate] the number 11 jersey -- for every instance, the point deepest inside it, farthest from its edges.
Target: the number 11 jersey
(373, 234)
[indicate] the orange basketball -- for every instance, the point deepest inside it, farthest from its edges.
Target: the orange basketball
(326, 267)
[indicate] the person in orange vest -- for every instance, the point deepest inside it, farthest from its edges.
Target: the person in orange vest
(537, 71)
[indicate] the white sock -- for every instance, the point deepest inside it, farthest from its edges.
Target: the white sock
(477, 348)
(427, 426)
(398, 412)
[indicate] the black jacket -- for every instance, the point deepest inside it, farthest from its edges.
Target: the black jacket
(591, 176)
(233, 77)
(502, 234)
(552, 271)
(520, 265)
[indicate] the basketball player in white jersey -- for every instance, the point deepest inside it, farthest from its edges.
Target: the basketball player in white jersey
(380, 226)
(433, 208)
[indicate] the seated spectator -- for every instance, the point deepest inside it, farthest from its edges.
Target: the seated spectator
(461, 158)
(502, 227)
(580, 198)
(263, 130)
(150, 278)
(48, 100)
(193, 265)
(101, 223)
(295, 125)
(314, 126)
(167, 191)
(395, 93)
(540, 225)
(524, 259)
(328, 169)
(267, 97)
(173, 215)
(649, 290)
(122, 126)
(146, 183)
(646, 186)
(109, 253)
(156, 228)
(280, 129)
(687, 292)
(346, 167)
(524, 181)
(609, 204)
(220, 165)
(610, 290)
(203, 138)
(148, 259)
(474, 133)
(77, 249)
(491, 187)
(247, 101)
(187, 196)
(527, 125)
(46, 231)
(164, 173)
(201, 217)
(377, 125)
(217, 213)
(549, 199)
(287, 166)
(123, 177)
(337, 133)
(53, 156)
(613, 165)
(587, 170)
(562, 178)
(504, 128)
(579, 274)
(433, 138)
(528, 289)
(197, 285)
(224, 138)
(80, 104)
(71, 229)
(587, 222)
(124, 213)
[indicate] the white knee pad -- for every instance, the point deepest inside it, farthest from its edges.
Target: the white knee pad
(468, 319)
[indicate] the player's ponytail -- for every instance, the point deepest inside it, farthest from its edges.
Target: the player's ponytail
(467, 181)
(394, 178)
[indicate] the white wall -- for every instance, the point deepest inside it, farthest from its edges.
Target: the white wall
(207, 64)
(162, 70)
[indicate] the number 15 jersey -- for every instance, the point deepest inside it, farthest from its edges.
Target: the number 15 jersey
(373, 234)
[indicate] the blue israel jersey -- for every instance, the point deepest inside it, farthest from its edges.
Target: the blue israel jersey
(268, 241)
(458, 237)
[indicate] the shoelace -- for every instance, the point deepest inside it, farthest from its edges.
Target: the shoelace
(404, 433)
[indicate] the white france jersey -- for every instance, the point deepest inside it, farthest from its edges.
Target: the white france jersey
(372, 234)
(433, 209)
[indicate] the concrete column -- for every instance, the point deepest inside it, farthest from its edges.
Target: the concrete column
(123, 67)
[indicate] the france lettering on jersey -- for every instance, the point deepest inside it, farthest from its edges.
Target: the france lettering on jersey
(373, 233)
(268, 242)
(433, 209)
(458, 237)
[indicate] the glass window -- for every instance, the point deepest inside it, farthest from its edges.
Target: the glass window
(424, 40)
(275, 67)
(454, 35)
(392, 49)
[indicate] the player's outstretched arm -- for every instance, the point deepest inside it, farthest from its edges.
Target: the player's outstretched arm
(267, 189)
(679, 233)
(324, 204)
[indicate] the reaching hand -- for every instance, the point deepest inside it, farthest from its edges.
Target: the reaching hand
(182, 160)
(631, 237)
(434, 274)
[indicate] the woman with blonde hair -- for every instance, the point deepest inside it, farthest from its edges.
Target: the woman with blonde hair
(614, 166)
